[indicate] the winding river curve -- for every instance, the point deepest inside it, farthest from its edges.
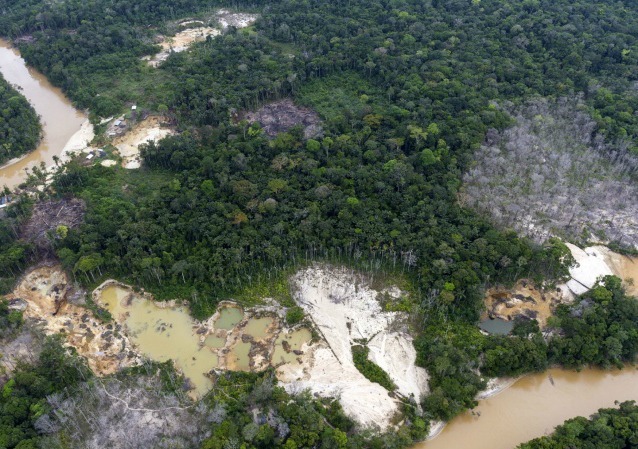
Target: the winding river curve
(531, 407)
(60, 120)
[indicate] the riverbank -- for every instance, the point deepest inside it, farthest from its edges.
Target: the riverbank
(532, 406)
(62, 124)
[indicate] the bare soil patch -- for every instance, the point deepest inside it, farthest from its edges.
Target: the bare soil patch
(523, 300)
(48, 294)
(282, 116)
(152, 128)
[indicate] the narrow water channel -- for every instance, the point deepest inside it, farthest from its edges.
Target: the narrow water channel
(60, 120)
(533, 406)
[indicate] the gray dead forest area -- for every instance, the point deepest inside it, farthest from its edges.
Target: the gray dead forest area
(552, 174)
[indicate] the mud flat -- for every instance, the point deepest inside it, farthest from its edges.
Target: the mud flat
(524, 300)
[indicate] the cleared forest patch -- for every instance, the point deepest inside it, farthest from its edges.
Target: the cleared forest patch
(149, 129)
(551, 174)
(282, 116)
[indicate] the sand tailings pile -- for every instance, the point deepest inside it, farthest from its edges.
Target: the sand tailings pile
(345, 310)
(185, 38)
(148, 130)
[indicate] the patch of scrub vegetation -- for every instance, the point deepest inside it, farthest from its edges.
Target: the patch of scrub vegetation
(369, 369)
(20, 128)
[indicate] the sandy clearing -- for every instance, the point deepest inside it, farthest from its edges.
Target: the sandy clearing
(149, 129)
(366, 402)
(185, 38)
(227, 18)
(180, 42)
(344, 309)
(590, 266)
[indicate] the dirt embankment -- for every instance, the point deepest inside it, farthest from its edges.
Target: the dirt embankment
(345, 310)
(51, 300)
(151, 129)
(282, 116)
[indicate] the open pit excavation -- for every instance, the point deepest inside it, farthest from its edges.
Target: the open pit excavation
(48, 297)
(339, 304)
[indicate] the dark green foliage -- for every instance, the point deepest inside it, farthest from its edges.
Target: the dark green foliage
(294, 315)
(10, 320)
(369, 369)
(405, 89)
(600, 329)
(20, 129)
(450, 353)
(23, 397)
(609, 428)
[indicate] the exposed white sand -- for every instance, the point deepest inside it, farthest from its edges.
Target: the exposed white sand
(345, 309)
(78, 141)
(590, 266)
(236, 19)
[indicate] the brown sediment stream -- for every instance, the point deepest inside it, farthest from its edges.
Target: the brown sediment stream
(60, 120)
(533, 406)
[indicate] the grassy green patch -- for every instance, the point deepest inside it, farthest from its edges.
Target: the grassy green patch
(341, 95)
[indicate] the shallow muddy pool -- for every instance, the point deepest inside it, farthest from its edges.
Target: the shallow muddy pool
(286, 344)
(228, 318)
(497, 326)
(533, 406)
(238, 358)
(214, 342)
(258, 327)
(162, 334)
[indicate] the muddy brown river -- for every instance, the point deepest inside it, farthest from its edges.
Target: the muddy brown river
(60, 120)
(533, 406)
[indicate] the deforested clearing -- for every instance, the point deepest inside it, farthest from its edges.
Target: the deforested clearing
(148, 130)
(133, 413)
(552, 174)
(345, 310)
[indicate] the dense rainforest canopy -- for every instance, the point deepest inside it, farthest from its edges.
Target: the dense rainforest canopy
(20, 129)
(407, 91)
(607, 429)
